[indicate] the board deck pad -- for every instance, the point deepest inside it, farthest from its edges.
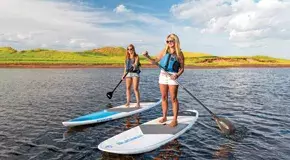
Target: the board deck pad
(110, 114)
(161, 129)
(149, 136)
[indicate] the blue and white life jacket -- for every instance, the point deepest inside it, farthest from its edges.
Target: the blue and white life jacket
(129, 64)
(170, 63)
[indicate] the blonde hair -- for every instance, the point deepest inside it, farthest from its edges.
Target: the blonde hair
(177, 44)
(127, 52)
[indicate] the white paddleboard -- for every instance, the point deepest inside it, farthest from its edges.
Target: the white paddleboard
(110, 114)
(149, 136)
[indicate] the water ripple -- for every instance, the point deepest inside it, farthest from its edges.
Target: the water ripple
(34, 102)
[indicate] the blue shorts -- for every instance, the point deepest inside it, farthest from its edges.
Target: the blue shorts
(132, 74)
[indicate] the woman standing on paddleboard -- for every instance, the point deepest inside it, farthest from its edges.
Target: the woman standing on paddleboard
(132, 66)
(171, 60)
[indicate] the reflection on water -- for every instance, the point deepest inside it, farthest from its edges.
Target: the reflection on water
(111, 156)
(225, 151)
(34, 102)
(132, 121)
(76, 129)
(169, 151)
(240, 133)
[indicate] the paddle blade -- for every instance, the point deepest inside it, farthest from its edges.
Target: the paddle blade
(225, 125)
(110, 95)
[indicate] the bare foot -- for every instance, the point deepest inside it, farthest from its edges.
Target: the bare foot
(162, 120)
(138, 105)
(127, 105)
(173, 123)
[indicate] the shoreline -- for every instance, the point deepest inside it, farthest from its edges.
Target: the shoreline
(67, 66)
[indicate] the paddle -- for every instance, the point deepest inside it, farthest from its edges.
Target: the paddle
(110, 94)
(225, 125)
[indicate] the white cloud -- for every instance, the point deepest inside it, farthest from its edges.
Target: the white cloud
(242, 20)
(187, 28)
(74, 40)
(88, 45)
(43, 45)
(200, 11)
(58, 25)
(121, 9)
(70, 26)
(23, 36)
(127, 15)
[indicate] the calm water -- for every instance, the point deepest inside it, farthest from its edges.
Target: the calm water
(34, 102)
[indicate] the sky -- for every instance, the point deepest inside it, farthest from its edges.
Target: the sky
(217, 27)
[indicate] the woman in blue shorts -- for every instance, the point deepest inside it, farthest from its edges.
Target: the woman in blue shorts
(132, 66)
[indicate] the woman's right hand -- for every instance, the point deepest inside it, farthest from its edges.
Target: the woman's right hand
(123, 77)
(145, 54)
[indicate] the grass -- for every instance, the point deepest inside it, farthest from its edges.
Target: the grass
(115, 56)
(44, 56)
(195, 54)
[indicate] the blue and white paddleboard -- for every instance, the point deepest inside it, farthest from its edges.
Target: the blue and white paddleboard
(110, 114)
(149, 136)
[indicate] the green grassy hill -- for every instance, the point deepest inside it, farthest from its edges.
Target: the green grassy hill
(235, 61)
(110, 51)
(116, 55)
(106, 55)
(195, 54)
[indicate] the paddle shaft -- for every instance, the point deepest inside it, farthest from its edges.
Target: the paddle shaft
(196, 99)
(120, 82)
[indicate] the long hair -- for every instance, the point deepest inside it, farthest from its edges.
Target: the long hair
(127, 52)
(177, 44)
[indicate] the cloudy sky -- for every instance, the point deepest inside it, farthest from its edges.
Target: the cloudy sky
(218, 27)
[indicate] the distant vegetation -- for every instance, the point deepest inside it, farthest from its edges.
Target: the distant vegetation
(116, 55)
(107, 55)
(110, 51)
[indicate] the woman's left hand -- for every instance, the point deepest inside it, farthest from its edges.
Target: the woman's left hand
(174, 76)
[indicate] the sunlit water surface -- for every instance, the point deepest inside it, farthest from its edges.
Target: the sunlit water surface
(34, 102)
